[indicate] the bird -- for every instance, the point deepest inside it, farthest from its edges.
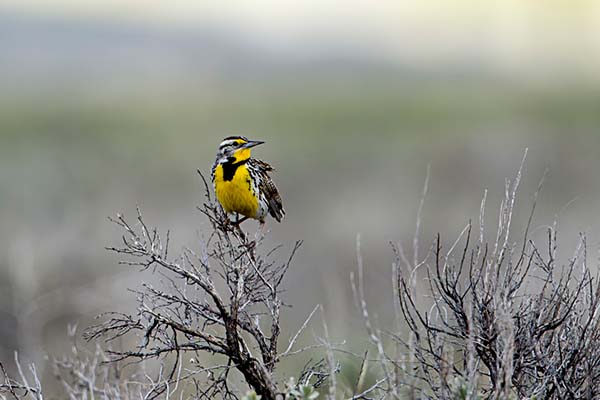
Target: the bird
(242, 183)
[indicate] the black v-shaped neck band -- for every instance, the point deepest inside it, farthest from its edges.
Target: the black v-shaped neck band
(230, 167)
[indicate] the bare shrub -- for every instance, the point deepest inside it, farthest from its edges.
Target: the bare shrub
(493, 320)
(224, 300)
(497, 320)
(211, 330)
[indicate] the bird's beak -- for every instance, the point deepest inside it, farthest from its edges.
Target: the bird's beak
(251, 143)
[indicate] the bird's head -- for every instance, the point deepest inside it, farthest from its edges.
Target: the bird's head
(235, 149)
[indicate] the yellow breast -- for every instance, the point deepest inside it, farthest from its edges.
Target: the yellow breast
(236, 195)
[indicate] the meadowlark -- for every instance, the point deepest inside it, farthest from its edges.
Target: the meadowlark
(242, 183)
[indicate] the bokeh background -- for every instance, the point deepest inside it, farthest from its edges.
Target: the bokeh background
(105, 105)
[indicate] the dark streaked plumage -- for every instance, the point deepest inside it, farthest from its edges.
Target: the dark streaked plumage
(266, 187)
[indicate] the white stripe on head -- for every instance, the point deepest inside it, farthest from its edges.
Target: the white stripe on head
(225, 143)
(231, 141)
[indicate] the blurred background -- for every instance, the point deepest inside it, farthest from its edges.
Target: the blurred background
(109, 104)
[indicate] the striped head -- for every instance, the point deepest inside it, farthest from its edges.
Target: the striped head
(235, 149)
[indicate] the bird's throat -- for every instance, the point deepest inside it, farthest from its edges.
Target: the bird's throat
(230, 166)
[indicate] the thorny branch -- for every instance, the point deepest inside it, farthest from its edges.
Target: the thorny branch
(510, 322)
(223, 301)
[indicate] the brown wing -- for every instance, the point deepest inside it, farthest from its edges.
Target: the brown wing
(268, 188)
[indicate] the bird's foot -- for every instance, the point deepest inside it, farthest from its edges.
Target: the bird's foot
(232, 226)
(238, 221)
